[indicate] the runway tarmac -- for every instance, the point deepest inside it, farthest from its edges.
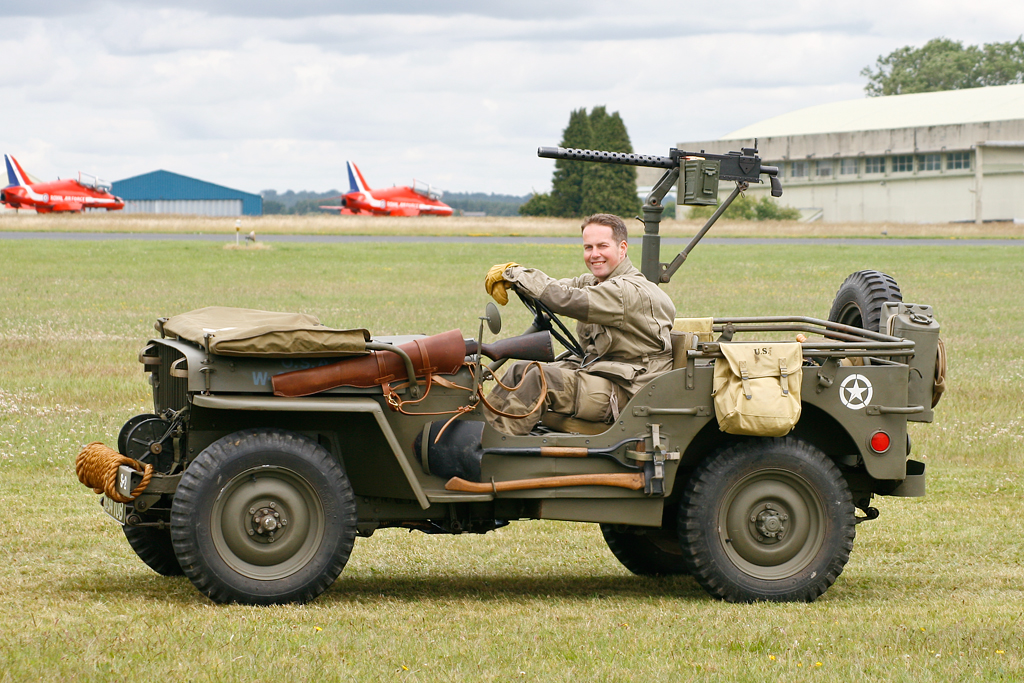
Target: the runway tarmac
(465, 239)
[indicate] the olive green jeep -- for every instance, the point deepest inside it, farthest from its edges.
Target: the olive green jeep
(265, 465)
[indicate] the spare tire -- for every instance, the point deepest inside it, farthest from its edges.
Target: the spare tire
(858, 302)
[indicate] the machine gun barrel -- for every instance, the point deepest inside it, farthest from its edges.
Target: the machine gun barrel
(607, 157)
(744, 166)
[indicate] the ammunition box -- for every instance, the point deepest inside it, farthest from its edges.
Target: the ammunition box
(700, 182)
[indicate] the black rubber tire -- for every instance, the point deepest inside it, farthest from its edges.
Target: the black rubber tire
(858, 302)
(154, 547)
(784, 485)
(645, 551)
(254, 475)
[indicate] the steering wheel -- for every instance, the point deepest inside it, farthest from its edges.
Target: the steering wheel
(543, 318)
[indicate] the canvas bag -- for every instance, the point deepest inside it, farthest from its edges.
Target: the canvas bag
(269, 334)
(757, 387)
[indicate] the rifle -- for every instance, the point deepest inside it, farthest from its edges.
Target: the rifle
(700, 186)
(534, 346)
(443, 353)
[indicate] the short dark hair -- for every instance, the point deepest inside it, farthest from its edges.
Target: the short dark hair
(612, 221)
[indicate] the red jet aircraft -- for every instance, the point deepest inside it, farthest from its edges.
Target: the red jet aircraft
(417, 200)
(60, 195)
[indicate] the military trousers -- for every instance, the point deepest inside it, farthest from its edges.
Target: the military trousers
(570, 391)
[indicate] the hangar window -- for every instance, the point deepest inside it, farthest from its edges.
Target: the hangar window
(848, 166)
(874, 165)
(956, 160)
(825, 168)
(929, 162)
(799, 169)
(902, 163)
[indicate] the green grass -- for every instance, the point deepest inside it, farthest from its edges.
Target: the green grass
(933, 591)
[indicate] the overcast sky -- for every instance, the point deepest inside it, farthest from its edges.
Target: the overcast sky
(278, 95)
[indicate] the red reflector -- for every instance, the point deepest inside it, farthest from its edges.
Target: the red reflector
(880, 442)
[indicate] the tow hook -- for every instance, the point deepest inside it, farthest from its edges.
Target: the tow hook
(869, 514)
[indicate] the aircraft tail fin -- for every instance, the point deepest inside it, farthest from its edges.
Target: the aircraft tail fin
(16, 175)
(355, 179)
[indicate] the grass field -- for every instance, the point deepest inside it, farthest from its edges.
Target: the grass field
(491, 225)
(934, 589)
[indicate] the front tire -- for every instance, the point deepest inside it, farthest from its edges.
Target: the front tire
(263, 517)
(645, 551)
(154, 547)
(767, 519)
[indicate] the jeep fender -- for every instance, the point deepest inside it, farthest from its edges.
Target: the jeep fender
(319, 404)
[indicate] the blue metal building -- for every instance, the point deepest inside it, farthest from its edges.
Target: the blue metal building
(166, 192)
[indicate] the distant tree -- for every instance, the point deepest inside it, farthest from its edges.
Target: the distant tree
(491, 204)
(304, 206)
(291, 199)
(272, 207)
(579, 189)
(1004, 62)
(609, 188)
(745, 208)
(567, 184)
(945, 64)
(537, 205)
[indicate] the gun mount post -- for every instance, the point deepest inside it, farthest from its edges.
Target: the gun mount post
(743, 167)
(650, 261)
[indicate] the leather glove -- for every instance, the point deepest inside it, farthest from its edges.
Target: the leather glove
(495, 283)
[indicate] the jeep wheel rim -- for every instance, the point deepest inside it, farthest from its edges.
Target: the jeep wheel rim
(771, 524)
(267, 523)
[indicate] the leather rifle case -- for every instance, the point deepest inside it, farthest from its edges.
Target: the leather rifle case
(440, 354)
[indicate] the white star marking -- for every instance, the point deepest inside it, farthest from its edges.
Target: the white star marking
(855, 392)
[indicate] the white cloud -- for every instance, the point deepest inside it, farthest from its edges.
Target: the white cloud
(260, 95)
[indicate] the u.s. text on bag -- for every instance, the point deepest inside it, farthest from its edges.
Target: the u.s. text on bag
(757, 387)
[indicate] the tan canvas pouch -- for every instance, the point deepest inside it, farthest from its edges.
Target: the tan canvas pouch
(757, 387)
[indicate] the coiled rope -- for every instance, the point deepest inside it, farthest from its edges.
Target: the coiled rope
(96, 467)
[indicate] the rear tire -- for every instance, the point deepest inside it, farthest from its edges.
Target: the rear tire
(263, 517)
(154, 547)
(767, 519)
(858, 302)
(645, 551)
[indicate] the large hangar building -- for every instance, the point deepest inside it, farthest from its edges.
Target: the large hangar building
(951, 156)
(166, 192)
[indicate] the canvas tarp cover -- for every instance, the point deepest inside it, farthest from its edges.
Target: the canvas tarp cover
(248, 332)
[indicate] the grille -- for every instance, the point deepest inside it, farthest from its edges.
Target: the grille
(168, 392)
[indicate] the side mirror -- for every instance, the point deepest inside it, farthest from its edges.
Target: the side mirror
(493, 317)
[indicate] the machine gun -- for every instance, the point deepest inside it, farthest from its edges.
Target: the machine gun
(701, 173)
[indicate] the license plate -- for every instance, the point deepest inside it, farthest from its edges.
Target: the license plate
(115, 510)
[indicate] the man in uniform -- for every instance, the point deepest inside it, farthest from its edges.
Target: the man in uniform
(624, 328)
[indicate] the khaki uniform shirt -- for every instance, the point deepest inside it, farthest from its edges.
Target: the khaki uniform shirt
(624, 322)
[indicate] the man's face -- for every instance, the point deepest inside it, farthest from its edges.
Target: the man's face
(601, 251)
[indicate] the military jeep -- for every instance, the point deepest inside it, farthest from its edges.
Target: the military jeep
(258, 497)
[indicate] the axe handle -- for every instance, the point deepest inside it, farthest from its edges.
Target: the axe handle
(634, 481)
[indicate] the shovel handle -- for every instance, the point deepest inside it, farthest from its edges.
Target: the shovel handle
(634, 481)
(563, 452)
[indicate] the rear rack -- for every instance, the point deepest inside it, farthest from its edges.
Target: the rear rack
(847, 341)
